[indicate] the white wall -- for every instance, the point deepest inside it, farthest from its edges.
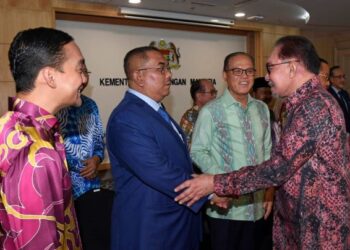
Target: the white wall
(104, 47)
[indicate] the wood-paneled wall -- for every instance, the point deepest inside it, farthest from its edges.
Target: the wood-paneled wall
(16, 15)
(328, 42)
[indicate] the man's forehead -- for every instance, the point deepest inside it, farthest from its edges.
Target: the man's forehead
(274, 55)
(72, 51)
(207, 83)
(324, 66)
(338, 70)
(155, 55)
(240, 59)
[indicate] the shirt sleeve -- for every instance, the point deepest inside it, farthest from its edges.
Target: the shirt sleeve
(98, 138)
(202, 140)
(296, 146)
(267, 138)
(33, 195)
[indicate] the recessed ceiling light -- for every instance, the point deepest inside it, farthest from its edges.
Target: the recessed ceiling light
(240, 14)
(134, 1)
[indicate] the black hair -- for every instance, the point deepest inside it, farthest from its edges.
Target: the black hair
(331, 70)
(140, 52)
(196, 87)
(33, 49)
(323, 60)
(300, 48)
(229, 56)
(260, 82)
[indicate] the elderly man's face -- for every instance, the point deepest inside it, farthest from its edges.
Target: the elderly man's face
(156, 76)
(279, 74)
(338, 78)
(207, 94)
(239, 85)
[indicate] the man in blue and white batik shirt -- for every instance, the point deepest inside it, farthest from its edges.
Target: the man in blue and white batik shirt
(82, 131)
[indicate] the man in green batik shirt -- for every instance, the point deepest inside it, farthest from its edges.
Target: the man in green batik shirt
(231, 132)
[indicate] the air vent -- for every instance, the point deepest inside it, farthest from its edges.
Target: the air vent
(172, 17)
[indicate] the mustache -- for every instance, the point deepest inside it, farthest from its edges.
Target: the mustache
(271, 84)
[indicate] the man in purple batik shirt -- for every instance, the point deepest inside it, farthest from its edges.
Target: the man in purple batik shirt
(309, 166)
(36, 209)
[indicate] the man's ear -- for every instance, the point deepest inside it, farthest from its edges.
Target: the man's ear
(224, 75)
(138, 77)
(48, 74)
(292, 69)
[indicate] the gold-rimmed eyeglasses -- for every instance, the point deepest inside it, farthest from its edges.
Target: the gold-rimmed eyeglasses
(162, 69)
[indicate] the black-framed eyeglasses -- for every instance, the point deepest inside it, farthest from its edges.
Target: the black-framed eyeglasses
(162, 69)
(239, 71)
(339, 76)
(211, 92)
(270, 66)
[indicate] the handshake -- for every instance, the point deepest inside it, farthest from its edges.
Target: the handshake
(202, 185)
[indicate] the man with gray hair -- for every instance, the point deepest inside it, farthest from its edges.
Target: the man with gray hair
(309, 165)
(233, 131)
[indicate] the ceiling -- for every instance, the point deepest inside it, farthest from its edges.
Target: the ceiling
(324, 14)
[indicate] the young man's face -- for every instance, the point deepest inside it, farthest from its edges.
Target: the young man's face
(72, 78)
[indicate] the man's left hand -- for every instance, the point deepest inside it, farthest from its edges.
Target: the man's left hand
(90, 169)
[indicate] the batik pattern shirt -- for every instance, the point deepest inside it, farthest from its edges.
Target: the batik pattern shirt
(310, 168)
(228, 136)
(36, 206)
(82, 131)
(187, 123)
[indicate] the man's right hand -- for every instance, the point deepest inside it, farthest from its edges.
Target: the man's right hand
(221, 202)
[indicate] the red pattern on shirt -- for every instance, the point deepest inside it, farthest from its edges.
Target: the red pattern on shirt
(310, 168)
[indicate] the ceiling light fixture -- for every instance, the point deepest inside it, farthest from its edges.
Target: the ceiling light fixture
(306, 17)
(134, 1)
(255, 18)
(240, 14)
(173, 17)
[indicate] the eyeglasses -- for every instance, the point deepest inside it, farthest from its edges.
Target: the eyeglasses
(85, 72)
(211, 92)
(339, 77)
(326, 77)
(270, 66)
(162, 69)
(239, 72)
